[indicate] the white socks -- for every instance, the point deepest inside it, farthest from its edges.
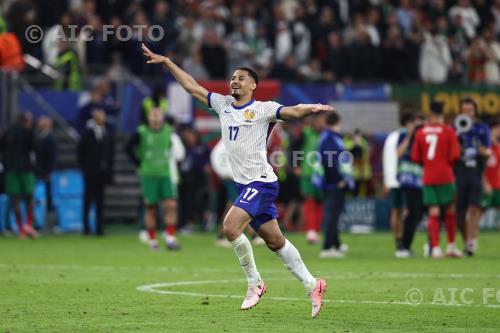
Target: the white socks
(243, 250)
(292, 260)
(288, 254)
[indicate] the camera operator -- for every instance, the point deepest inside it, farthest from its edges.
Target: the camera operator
(474, 138)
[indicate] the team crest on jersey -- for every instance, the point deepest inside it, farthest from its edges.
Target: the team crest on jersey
(249, 115)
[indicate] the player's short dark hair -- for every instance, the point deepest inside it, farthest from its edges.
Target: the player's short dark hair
(406, 117)
(470, 100)
(437, 108)
(332, 118)
(250, 72)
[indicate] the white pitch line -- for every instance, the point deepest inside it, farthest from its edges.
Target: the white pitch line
(152, 288)
(339, 275)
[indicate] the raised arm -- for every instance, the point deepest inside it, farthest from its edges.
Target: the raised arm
(186, 81)
(302, 110)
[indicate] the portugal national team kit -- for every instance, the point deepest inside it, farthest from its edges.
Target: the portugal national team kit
(437, 149)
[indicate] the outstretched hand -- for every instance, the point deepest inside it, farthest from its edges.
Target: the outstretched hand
(153, 57)
(322, 107)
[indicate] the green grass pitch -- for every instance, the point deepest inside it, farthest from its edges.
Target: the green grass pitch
(68, 283)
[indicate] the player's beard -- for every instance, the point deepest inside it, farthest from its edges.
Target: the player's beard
(236, 95)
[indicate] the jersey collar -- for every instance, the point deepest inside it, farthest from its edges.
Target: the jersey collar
(244, 105)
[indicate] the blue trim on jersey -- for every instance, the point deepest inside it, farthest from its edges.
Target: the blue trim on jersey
(208, 99)
(278, 112)
(243, 106)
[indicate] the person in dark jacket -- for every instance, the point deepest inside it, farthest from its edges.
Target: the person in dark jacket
(46, 148)
(334, 160)
(95, 158)
(18, 152)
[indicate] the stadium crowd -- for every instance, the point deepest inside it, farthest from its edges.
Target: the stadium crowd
(432, 41)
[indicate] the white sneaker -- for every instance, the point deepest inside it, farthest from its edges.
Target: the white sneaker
(437, 253)
(171, 242)
(253, 295)
(257, 241)
(452, 251)
(153, 245)
(472, 245)
(427, 250)
(312, 237)
(403, 254)
(143, 237)
(331, 253)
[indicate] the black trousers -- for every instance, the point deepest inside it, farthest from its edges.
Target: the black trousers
(415, 207)
(333, 205)
(94, 193)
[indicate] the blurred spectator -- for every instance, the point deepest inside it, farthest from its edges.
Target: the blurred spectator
(52, 37)
(372, 23)
(100, 97)
(11, 54)
(495, 12)
(476, 57)
(335, 184)
(286, 70)
(492, 66)
(281, 34)
(46, 156)
(239, 52)
(435, 58)
(156, 100)
(151, 150)
(394, 55)
(95, 158)
(322, 26)
(18, 153)
(436, 9)
(301, 37)
(214, 55)
(67, 64)
(468, 16)
(96, 48)
(162, 17)
(311, 71)
(312, 197)
(194, 186)
(361, 168)
(193, 65)
(405, 14)
(364, 58)
(336, 61)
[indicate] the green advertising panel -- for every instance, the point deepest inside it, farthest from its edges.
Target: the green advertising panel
(487, 97)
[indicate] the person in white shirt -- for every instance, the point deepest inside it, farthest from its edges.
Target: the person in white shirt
(435, 58)
(469, 17)
(246, 124)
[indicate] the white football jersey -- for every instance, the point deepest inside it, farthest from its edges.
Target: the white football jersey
(245, 130)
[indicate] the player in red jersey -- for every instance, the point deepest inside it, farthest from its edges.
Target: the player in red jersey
(491, 177)
(437, 149)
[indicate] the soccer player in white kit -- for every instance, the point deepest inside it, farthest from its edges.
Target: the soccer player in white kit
(246, 124)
